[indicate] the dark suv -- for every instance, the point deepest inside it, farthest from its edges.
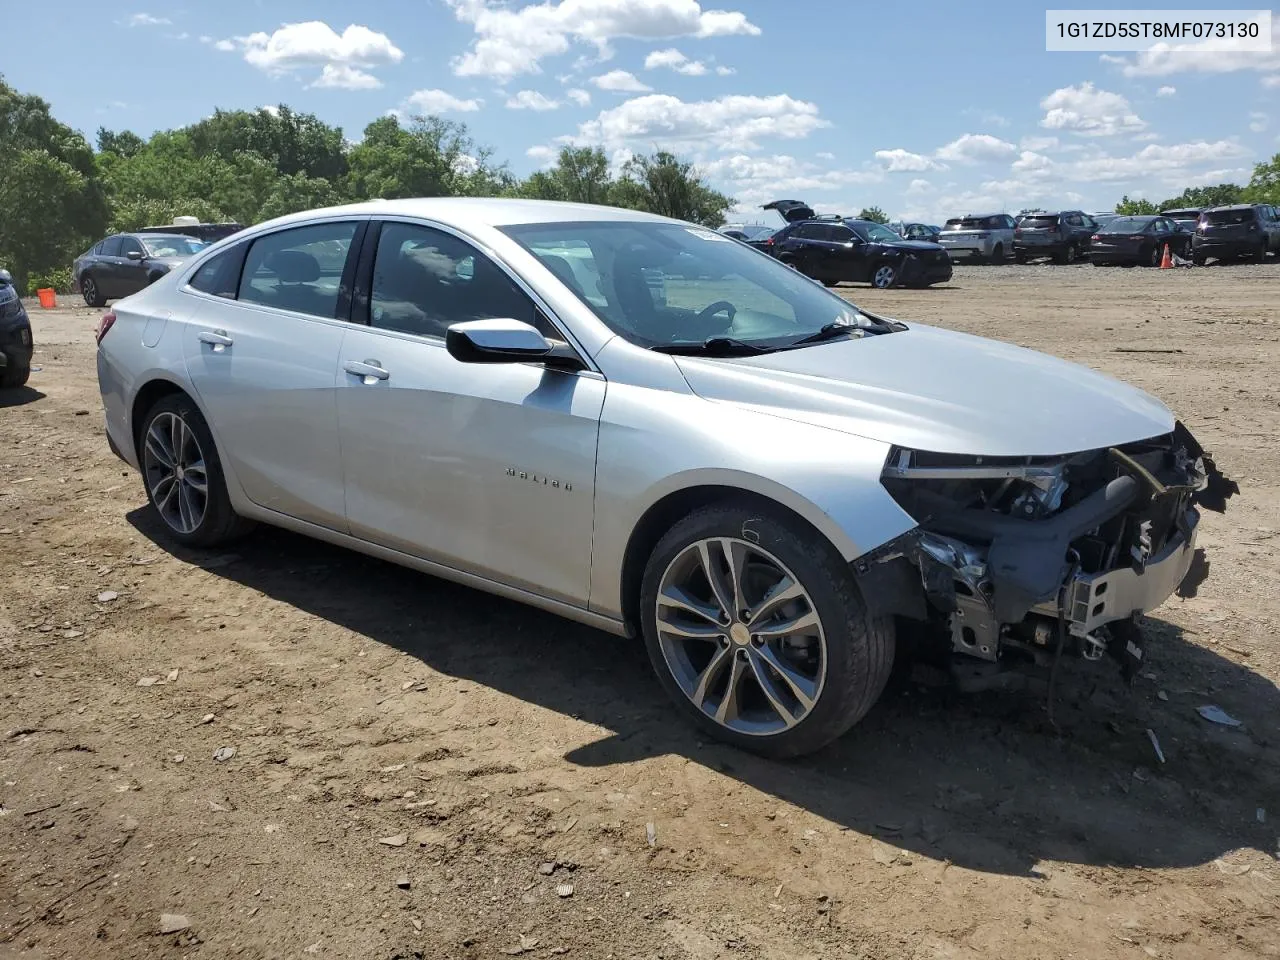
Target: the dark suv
(15, 335)
(1238, 230)
(127, 262)
(859, 251)
(1063, 236)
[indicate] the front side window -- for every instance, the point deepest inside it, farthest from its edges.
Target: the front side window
(298, 269)
(658, 284)
(129, 245)
(425, 280)
(111, 247)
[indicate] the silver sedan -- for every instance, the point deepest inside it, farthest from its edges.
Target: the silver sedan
(645, 426)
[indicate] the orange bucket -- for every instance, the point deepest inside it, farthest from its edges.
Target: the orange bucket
(47, 298)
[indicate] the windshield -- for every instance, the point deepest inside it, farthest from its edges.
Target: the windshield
(876, 232)
(1129, 224)
(658, 284)
(172, 246)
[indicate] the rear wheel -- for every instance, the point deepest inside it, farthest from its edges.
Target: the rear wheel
(183, 475)
(884, 275)
(1019, 256)
(1153, 258)
(1198, 259)
(90, 291)
(758, 631)
(15, 376)
(997, 255)
(829, 283)
(1068, 255)
(1262, 251)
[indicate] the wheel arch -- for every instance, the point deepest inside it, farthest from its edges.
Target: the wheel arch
(669, 510)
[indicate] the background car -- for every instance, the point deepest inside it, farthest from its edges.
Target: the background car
(191, 227)
(15, 335)
(124, 263)
(1185, 217)
(1062, 235)
(919, 231)
(987, 237)
(1137, 240)
(1238, 230)
(859, 251)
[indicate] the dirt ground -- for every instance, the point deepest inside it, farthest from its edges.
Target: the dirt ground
(422, 771)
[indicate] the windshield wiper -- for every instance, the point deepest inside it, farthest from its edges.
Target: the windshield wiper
(713, 347)
(829, 331)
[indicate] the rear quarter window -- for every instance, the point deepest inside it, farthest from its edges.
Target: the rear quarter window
(1228, 217)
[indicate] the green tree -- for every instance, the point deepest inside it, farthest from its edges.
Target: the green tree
(126, 143)
(430, 157)
(1201, 197)
(671, 187)
(298, 192)
(1264, 185)
(291, 142)
(874, 214)
(1133, 208)
(51, 202)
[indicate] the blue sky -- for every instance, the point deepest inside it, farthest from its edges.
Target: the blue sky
(927, 110)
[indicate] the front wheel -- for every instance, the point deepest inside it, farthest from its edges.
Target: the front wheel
(829, 283)
(183, 475)
(1019, 257)
(91, 292)
(13, 375)
(883, 276)
(758, 632)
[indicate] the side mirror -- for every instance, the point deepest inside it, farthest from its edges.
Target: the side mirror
(134, 255)
(503, 340)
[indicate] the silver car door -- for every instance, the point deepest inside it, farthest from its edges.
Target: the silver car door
(488, 468)
(265, 366)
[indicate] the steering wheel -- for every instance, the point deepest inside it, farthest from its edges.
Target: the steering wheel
(720, 306)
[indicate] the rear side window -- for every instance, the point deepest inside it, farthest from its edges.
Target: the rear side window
(1227, 217)
(298, 269)
(809, 231)
(220, 276)
(111, 247)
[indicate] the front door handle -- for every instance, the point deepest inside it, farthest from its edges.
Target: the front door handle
(370, 370)
(217, 338)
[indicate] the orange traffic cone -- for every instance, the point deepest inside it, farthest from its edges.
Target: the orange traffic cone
(1166, 263)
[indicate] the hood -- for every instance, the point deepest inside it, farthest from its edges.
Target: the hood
(170, 262)
(935, 390)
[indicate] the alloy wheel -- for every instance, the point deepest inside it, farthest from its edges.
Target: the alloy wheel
(883, 277)
(89, 290)
(173, 464)
(741, 636)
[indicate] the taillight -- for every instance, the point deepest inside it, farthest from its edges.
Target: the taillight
(1017, 232)
(768, 241)
(105, 324)
(1095, 237)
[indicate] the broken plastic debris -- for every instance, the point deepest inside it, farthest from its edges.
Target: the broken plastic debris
(1217, 715)
(1155, 744)
(399, 840)
(173, 923)
(106, 596)
(224, 753)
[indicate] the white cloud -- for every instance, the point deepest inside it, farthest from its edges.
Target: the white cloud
(542, 154)
(341, 76)
(205, 38)
(919, 188)
(1038, 143)
(754, 181)
(579, 96)
(531, 100)
(1170, 162)
(975, 148)
(673, 59)
(1166, 91)
(730, 123)
(1032, 165)
(825, 155)
(1257, 121)
(297, 46)
(1272, 81)
(1165, 59)
(1089, 112)
(226, 46)
(620, 81)
(270, 108)
(904, 161)
(510, 41)
(723, 71)
(147, 20)
(986, 117)
(438, 101)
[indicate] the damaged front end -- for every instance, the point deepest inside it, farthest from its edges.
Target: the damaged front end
(1017, 561)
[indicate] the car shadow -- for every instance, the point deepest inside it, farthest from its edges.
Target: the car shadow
(984, 781)
(19, 396)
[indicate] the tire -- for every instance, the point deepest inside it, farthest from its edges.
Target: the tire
(1198, 259)
(829, 283)
(883, 276)
(1068, 255)
(843, 664)
(997, 255)
(1154, 259)
(176, 505)
(90, 291)
(1019, 256)
(14, 376)
(1262, 251)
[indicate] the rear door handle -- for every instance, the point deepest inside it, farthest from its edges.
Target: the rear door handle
(370, 370)
(218, 338)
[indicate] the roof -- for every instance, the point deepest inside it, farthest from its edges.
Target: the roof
(1231, 206)
(490, 211)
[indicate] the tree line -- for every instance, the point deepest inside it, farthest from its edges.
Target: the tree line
(58, 195)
